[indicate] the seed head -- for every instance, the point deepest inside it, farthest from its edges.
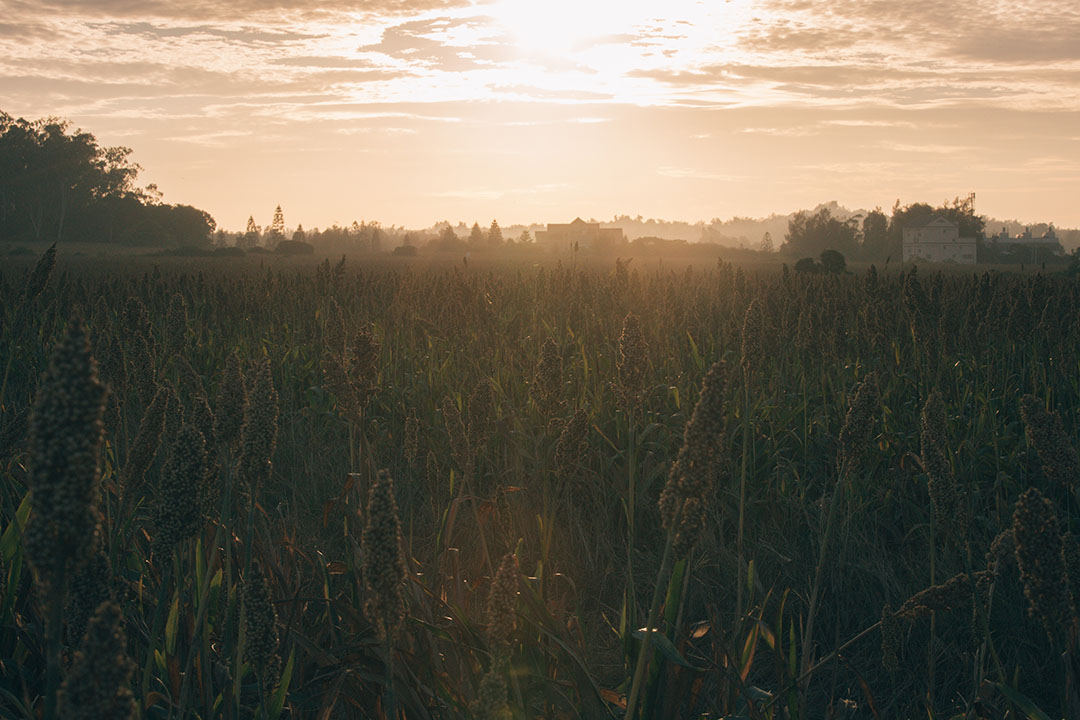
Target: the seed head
(491, 702)
(411, 440)
(571, 445)
(335, 329)
(941, 481)
(546, 390)
(337, 379)
(176, 323)
(690, 528)
(859, 421)
(1045, 433)
(260, 627)
(460, 447)
(481, 413)
(890, 639)
(229, 407)
(952, 594)
(39, 278)
(383, 562)
(190, 382)
(65, 438)
(431, 471)
(90, 586)
(364, 365)
(141, 361)
(98, 685)
(174, 411)
(631, 362)
(258, 436)
(753, 331)
(1039, 556)
(502, 600)
(147, 441)
(699, 465)
(177, 507)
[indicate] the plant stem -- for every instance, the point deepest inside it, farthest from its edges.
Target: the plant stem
(742, 493)
(653, 616)
(808, 635)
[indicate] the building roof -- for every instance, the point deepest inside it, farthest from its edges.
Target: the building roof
(929, 220)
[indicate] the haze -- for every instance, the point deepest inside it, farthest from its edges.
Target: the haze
(414, 112)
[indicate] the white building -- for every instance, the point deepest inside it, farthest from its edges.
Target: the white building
(1027, 243)
(937, 239)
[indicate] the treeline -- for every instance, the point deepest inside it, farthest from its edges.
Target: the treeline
(877, 237)
(59, 184)
(874, 236)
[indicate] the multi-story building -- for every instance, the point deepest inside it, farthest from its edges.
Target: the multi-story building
(585, 235)
(937, 239)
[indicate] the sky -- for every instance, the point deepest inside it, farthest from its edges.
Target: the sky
(410, 112)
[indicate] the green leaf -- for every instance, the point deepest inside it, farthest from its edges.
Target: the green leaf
(1022, 701)
(171, 625)
(277, 702)
(661, 642)
(10, 541)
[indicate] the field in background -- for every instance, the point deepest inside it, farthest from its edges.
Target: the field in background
(861, 446)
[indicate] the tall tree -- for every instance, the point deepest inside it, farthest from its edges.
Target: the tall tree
(476, 236)
(875, 235)
(277, 228)
(766, 243)
(495, 236)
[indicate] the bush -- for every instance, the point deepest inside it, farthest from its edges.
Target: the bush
(832, 261)
(405, 250)
(807, 265)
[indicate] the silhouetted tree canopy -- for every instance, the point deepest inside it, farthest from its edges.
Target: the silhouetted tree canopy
(810, 234)
(59, 184)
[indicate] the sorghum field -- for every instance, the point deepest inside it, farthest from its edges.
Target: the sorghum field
(348, 490)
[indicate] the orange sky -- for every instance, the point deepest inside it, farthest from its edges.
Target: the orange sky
(541, 110)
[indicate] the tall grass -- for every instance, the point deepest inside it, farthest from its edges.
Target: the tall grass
(565, 534)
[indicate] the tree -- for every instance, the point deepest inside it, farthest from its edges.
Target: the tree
(299, 235)
(495, 237)
(277, 228)
(833, 261)
(875, 234)
(250, 237)
(525, 238)
(766, 242)
(476, 236)
(58, 183)
(812, 233)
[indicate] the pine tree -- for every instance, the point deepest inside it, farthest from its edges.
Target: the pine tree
(251, 235)
(476, 237)
(277, 228)
(495, 234)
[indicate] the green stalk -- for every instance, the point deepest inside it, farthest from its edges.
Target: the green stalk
(155, 633)
(930, 663)
(742, 494)
(652, 618)
(811, 615)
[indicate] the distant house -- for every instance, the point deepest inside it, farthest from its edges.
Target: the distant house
(588, 236)
(1028, 245)
(937, 239)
